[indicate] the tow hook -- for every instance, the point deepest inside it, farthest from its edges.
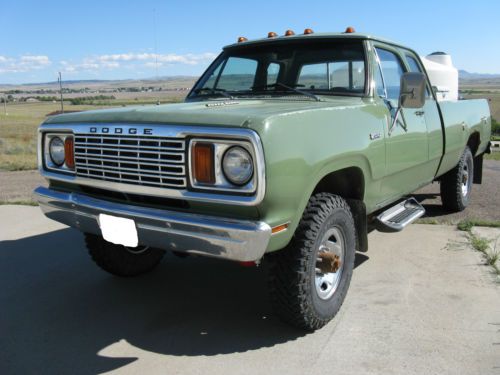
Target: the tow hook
(328, 262)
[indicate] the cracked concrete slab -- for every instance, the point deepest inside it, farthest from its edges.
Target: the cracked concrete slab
(416, 305)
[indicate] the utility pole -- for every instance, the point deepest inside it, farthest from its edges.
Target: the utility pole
(60, 90)
(5, 105)
(156, 51)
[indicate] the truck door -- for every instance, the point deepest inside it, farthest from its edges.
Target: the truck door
(432, 118)
(407, 151)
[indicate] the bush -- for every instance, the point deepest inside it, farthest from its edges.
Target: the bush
(90, 99)
(495, 126)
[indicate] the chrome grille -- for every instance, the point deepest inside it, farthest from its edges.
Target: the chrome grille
(131, 159)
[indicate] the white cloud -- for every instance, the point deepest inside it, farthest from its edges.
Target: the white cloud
(23, 64)
(106, 62)
(40, 60)
(170, 58)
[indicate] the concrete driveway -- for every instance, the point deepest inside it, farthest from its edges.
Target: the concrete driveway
(420, 302)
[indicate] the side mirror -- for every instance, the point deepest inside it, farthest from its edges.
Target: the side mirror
(412, 90)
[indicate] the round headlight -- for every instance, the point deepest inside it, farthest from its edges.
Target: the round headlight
(56, 151)
(237, 165)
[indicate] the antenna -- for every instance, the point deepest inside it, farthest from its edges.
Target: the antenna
(156, 50)
(60, 91)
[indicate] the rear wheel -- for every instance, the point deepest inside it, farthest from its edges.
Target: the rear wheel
(309, 279)
(121, 260)
(456, 185)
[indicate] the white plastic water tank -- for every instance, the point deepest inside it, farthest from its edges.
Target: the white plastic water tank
(442, 75)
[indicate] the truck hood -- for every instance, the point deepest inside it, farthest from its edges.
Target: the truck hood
(235, 113)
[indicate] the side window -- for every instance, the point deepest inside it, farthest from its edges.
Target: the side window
(343, 76)
(415, 67)
(238, 74)
(392, 70)
(313, 76)
(348, 76)
(273, 69)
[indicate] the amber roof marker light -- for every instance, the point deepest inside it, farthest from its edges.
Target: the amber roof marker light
(272, 34)
(308, 31)
(289, 33)
(242, 39)
(349, 30)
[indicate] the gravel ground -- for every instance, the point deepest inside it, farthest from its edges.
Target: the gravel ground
(484, 201)
(18, 186)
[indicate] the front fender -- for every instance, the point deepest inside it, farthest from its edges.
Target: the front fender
(302, 149)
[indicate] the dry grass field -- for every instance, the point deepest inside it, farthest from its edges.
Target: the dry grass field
(493, 99)
(19, 127)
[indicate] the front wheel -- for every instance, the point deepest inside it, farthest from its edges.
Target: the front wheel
(456, 185)
(121, 260)
(309, 279)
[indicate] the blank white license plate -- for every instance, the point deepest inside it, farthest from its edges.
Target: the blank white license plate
(118, 230)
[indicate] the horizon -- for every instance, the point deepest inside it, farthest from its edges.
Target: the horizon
(165, 78)
(104, 41)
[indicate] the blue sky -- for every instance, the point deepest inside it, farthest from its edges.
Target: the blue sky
(110, 39)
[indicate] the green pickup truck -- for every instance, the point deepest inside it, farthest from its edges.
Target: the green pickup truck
(290, 147)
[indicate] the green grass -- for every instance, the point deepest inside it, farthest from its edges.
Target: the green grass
(21, 203)
(428, 220)
(481, 244)
(467, 224)
(493, 156)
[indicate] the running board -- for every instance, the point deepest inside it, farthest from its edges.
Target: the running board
(399, 216)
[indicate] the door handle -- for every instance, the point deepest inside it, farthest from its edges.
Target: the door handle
(419, 113)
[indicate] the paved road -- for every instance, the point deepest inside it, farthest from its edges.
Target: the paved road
(415, 306)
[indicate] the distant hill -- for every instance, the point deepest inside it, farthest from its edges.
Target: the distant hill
(169, 82)
(478, 80)
(463, 74)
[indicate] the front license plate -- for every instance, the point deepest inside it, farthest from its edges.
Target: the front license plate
(118, 230)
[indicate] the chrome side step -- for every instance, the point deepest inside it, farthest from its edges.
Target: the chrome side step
(399, 216)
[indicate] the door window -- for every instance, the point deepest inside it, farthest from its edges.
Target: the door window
(392, 70)
(415, 67)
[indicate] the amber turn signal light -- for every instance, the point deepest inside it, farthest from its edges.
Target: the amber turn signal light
(272, 34)
(308, 31)
(289, 33)
(350, 30)
(69, 152)
(203, 163)
(242, 39)
(279, 228)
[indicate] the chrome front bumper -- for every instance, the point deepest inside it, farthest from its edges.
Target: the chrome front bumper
(237, 240)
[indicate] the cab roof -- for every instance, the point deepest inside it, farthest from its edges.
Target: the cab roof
(317, 36)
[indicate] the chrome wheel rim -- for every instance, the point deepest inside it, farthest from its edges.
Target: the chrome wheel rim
(465, 180)
(333, 242)
(137, 250)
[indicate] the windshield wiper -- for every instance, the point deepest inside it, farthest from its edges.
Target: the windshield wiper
(290, 88)
(212, 91)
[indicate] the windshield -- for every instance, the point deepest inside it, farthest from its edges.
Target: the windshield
(301, 68)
